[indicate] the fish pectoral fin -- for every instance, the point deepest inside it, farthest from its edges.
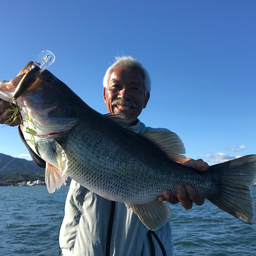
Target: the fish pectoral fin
(61, 158)
(53, 178)
(153, 215)
(169, 142)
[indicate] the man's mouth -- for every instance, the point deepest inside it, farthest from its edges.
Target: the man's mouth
(123, 107)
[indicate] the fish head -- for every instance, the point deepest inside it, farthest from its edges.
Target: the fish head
(46, 105)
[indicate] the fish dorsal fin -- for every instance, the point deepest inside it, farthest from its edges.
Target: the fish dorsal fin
(118, 119)
(153, 215)
(53, 178)
(169, 142)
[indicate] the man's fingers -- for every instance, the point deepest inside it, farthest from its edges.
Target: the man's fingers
(185, 195)
(182, 196)
(6, 118)
(168, 197)
(198, 164)
(193, 196)
(7, 114)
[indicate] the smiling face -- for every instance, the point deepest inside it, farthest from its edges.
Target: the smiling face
(125, 93)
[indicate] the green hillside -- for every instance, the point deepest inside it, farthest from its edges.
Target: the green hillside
(14, 170)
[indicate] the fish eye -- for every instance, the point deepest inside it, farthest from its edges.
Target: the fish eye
(49, 79)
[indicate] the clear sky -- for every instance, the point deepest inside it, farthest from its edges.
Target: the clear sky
(200, 55)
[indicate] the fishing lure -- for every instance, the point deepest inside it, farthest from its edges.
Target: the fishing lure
(43, 61)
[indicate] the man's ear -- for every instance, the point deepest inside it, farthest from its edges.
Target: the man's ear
(146, 99)
(104, 91)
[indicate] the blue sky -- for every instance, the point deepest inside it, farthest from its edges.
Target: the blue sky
(200, 55)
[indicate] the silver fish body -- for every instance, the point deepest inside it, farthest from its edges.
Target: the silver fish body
(118, 164)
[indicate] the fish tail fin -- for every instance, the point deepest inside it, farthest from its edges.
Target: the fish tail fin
(235, 178)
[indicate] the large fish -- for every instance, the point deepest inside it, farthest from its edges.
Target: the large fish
(104, 155)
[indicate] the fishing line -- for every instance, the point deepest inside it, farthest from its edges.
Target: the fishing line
(65, 74)
(12, 160)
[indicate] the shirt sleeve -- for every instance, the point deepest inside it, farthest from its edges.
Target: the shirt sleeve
(39, 161)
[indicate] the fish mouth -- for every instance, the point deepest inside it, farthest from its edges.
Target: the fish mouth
(11, 90)
(27, 81)
(8, 88)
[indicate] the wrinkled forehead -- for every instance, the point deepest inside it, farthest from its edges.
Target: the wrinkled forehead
(124, 74)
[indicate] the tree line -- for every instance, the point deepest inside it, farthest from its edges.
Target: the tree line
(15, 178)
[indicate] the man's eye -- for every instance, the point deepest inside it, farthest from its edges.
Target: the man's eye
(115, 86)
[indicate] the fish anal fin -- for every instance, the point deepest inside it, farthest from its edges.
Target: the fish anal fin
(153, 215)
(53, 178)
(169, 142)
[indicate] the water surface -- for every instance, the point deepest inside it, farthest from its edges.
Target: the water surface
(30, 218)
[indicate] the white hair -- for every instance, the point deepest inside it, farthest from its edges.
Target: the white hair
(128, 62)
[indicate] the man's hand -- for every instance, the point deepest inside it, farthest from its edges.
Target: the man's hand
(186, 195)
(9, 114)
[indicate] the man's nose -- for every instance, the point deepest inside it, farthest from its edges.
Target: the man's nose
(123, 94)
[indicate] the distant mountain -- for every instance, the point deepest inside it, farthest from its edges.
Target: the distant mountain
(9, 165)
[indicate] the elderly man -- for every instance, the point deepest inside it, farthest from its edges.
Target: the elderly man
(96, 226)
